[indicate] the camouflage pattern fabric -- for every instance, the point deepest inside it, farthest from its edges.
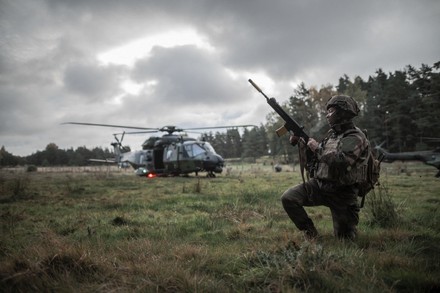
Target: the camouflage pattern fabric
(342, 157)
(341, 165)
(342, 201)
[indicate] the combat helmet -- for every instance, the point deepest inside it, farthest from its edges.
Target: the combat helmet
(345, 103)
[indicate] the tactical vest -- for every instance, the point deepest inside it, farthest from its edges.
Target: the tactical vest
(340, 173)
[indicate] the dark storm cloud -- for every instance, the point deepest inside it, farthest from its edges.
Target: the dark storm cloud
(91, 81)
(185, 75)
(287, 37)
(49, 71)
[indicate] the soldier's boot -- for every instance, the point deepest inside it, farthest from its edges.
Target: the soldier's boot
(348, 235)
(345, 231)
(310, 232)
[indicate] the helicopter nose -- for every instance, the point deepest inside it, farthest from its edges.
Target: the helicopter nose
(220, 160)
(214, 163)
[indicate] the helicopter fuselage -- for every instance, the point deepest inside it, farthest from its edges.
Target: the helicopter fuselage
(183, 156)
(431, 158)
(192, 156)
(169, 154)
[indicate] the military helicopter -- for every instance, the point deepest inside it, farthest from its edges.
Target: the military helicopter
(168, 155)
(431, 158)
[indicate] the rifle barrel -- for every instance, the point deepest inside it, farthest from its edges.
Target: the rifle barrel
(257, 88)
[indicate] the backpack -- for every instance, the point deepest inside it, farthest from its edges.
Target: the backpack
(373, 173)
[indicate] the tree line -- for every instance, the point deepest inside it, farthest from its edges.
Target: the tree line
(53, 156)
(399, 110)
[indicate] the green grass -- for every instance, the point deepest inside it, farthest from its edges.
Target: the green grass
(96, 233)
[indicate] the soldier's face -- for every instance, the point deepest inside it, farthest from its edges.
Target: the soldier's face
(331, 116)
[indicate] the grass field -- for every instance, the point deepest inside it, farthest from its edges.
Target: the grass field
(115, 232)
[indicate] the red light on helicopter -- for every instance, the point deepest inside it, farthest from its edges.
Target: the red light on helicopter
(151, 175)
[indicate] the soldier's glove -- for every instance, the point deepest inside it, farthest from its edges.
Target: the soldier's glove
(294, 139)
(312, 144)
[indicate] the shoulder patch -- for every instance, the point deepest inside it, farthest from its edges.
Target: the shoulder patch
(350, 143)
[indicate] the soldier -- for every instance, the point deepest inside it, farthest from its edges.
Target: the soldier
(340, 166)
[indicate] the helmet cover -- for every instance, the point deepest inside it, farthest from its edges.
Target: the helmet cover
(345, 103)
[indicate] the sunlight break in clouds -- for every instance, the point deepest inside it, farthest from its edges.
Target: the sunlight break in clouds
(129, 53)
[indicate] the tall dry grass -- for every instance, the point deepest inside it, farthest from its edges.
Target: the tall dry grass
(94, 233)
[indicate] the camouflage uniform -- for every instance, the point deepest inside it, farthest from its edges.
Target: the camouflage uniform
(341, 164)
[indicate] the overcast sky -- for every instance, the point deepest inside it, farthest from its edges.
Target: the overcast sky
(186, 63)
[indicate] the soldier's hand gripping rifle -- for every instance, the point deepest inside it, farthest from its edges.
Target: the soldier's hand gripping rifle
(290, 125)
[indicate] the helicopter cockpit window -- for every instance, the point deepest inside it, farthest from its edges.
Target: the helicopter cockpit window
(198, 150)
(194, 150)
(188, 149)
(209, 147)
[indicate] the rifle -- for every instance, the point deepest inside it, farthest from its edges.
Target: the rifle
(290, 125)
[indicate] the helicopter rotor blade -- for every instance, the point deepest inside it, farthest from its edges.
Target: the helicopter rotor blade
(217, 127)
(432, 139)
(170, 129)
(139, 132)
(110, 125)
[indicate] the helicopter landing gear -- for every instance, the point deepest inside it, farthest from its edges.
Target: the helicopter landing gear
(210, 175)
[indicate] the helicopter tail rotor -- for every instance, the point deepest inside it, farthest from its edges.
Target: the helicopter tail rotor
(118, 143)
